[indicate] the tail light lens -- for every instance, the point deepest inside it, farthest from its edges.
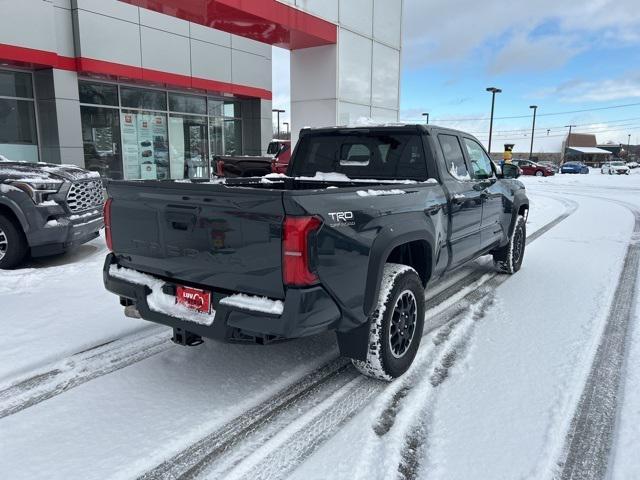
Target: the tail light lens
(220, 168)
(107, 223)
(296, 248)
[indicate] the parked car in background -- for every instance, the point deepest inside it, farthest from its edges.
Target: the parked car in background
(46, 209)
(242, 166)
(551, 165)
(574, 167)
(532, 168)
(281, 152)
(633, 165)
(615, 168)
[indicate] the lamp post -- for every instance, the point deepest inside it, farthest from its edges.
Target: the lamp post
(426, 115)
(287, 124)
(629, 148)
(533, 129)
(278, 111)
(493, 91)
(548, 130)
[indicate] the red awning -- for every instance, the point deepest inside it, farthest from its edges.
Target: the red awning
(267, 21)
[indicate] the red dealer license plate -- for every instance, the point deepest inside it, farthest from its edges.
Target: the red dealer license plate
(194, 298)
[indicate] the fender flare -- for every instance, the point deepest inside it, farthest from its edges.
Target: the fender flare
(382, 247)
(520, 198)
(15, 209)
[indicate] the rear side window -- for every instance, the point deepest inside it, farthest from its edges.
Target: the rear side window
(453, 157)
(480, 162)
(364, 155)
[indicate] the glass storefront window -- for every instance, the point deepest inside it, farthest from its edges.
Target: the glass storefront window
(224, 108)
(159, 134)
(15, 84)
(188, 145)
(98, 93)
(232, 137)
(145, 146)
(187, 104)
(101, 141)
(143, 99)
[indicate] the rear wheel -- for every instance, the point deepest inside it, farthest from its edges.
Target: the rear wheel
(508, 259)
(539, 173)
(13, 244)
(396, 324)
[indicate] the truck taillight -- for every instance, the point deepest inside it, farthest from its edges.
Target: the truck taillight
(297, 243)
(107, 223)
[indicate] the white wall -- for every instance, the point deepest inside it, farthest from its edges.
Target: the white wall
(360, 77)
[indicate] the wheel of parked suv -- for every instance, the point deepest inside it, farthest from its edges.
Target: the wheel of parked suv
(396, 324)
(13, 245)
(539, 173)
(508, 259)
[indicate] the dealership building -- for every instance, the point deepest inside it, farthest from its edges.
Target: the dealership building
(154, 89)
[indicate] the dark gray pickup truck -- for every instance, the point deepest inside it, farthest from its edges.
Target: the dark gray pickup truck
(46, 209)
(347, 241)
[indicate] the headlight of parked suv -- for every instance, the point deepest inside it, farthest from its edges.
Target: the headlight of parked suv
(39, 191)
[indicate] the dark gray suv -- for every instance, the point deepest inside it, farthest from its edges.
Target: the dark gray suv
(46, 209)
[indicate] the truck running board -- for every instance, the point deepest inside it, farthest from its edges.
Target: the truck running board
(185, 338)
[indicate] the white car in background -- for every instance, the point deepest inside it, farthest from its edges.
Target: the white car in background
(615, 168)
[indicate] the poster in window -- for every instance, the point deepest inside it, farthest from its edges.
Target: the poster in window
(130, 151)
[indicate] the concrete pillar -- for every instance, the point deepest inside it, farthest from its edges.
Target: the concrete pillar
(58, 106)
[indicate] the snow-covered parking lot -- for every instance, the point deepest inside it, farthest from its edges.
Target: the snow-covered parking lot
(530, 376)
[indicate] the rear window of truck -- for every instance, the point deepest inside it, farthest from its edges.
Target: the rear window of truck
(364, 155)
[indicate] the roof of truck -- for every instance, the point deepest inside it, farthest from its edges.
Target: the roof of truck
(382, 126)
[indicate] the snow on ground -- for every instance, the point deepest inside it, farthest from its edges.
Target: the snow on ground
(56, 307)
(493, 401)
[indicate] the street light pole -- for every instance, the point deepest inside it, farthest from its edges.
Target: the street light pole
(533, 129)
(493, 91)
(278, 111)
(426, 115)
(287, 124)
(629, 148)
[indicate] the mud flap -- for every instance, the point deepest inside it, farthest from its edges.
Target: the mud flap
(354, 343)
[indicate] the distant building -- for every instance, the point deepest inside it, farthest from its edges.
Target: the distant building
(581, 147)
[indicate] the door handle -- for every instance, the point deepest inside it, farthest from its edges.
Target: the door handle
(458, 198)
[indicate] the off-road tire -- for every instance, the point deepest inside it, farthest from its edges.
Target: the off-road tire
(400, 284)
(508, 259)
(14, 244)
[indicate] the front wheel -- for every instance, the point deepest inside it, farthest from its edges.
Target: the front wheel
(539, 173)
(508, 259)
(396, 324)
(13, 245)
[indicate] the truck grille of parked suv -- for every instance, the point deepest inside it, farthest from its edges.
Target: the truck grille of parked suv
(85, 195)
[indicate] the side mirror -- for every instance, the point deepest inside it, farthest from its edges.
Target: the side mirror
(510, 171)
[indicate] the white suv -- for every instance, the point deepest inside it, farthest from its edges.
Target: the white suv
(617, 168)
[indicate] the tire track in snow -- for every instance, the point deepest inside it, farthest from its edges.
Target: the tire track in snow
(324, 420)
(588, 444)
(82, 367)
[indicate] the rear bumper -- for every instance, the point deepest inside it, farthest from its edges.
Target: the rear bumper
(307, 311)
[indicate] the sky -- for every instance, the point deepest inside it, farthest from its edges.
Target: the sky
(562, 56)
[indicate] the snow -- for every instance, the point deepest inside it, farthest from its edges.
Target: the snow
(159, 301)
(375, 193)
(84, 215)
(49, 203)
(4, 188)
(490, 395)
(52, 224)
(340, 177)
(253, 303)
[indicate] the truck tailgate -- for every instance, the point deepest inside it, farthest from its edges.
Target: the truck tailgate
(220, 237)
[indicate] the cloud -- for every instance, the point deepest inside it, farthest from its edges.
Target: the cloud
(451, 31)
(580, 91)
(524, 54)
